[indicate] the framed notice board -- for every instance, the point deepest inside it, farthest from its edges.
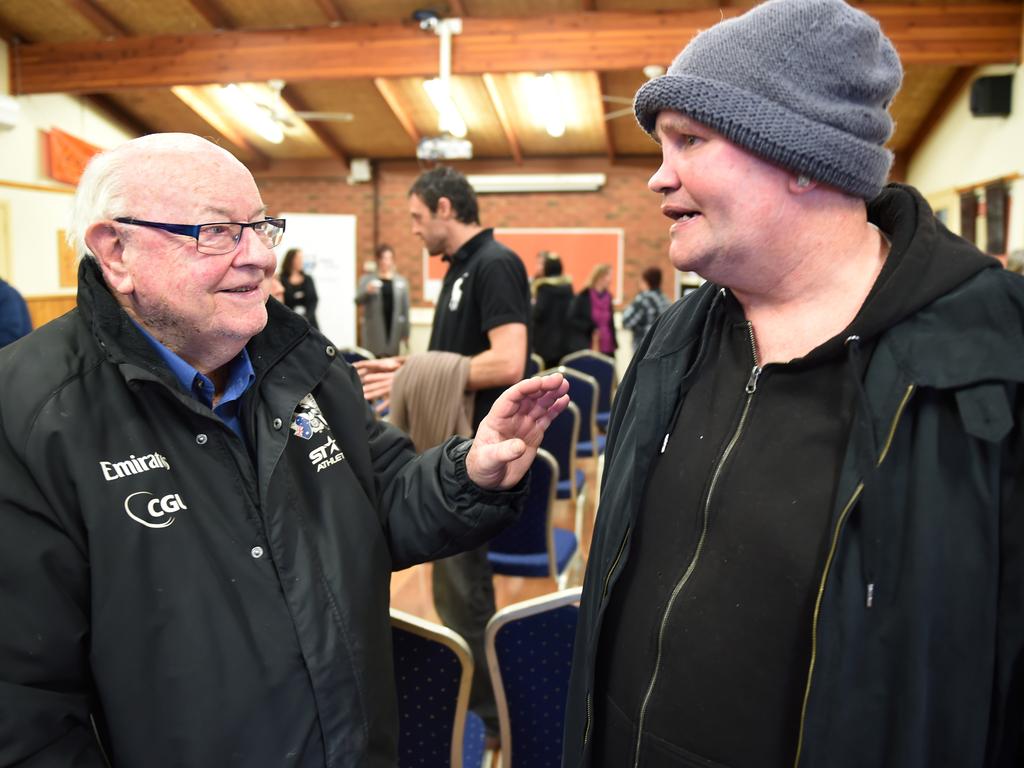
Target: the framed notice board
(580, 249)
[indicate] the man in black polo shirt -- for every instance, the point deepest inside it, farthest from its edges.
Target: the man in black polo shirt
(482, 312)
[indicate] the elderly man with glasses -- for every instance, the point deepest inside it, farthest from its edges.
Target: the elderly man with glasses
(199, 512)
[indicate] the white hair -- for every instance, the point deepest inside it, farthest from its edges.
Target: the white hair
(104, 190)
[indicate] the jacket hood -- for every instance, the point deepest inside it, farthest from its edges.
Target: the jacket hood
(926, 261)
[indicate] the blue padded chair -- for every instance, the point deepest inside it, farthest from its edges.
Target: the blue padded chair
(529, 655)
(533, 546)
(583, 391)
(560, 441)
(602, 368)
(433, 674)
(352, 354)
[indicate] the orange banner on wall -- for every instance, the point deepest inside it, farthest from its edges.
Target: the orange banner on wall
(68, 155)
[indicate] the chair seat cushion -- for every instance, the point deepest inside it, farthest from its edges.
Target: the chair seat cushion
(564, 489)
(587, 448)
(603, 417)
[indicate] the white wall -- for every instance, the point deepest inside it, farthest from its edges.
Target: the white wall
(34, 216)
(964, 151)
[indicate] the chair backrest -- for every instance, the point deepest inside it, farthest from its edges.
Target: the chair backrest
(583, 391)
(533, 532)
(433, 674)
(529, 655)
(560, 441)
(534, 365)
(353, 354)
(602, 368)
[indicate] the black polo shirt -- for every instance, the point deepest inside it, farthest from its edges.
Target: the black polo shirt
(485, 286)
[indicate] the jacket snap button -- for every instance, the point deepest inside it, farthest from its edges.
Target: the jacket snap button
(256, 552)
(277, 423)
(331, 351)
(201, 439)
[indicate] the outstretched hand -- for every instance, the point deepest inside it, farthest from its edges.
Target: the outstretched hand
(507, 439)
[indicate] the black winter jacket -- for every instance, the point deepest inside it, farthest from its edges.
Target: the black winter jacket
(206, 603)
(932, 672)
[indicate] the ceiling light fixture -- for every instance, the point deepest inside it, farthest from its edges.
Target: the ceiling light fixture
(545, 104)
(250, 114)
(448, 118)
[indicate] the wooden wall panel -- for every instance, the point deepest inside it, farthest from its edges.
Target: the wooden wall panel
(43, 309)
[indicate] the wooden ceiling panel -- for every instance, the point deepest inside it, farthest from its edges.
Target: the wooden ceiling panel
(628, 137)
(49, 20)
(664, 5)
(923, 85)
(140, 16)
(273, 14)
(501, 8)
(583, 135)
(474, 104)
(375, 132)
(163, 111)
(388, 10)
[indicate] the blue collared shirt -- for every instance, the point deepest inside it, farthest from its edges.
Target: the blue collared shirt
(240, 377)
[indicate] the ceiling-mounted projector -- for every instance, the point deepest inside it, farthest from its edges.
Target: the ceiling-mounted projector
(444, 147)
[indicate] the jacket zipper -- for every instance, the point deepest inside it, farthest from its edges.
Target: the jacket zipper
(750, 389)
(828, 564)
(604, 592)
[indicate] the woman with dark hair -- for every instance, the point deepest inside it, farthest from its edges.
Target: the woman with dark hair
(646, 307)
(553, 292)
(591, 315)
(384, 296)
(299, 289)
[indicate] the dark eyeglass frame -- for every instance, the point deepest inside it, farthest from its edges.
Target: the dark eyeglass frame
(193, 230)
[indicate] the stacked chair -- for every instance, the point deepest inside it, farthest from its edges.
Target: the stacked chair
(602, 369)
(533, 546)
(529, 654)
(433, 674)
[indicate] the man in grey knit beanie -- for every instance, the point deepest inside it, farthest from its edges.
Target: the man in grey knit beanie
(808, 550)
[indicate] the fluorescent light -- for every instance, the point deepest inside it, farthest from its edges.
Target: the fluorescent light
(536, 182)
(249, 113)
(449, 119)
(545, 104)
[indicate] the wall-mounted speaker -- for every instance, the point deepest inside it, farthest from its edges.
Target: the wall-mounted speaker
(990, 96)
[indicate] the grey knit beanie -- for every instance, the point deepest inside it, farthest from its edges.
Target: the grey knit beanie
(805, 84)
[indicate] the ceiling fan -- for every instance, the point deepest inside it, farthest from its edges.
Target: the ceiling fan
(280, 112)
(651, 71)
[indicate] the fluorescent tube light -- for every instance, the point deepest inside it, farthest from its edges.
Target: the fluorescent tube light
(248, 112)
(449, 119)
(536, 182)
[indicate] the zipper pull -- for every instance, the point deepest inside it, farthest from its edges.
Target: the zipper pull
(870, 598)
(752, 381)
(665, 442)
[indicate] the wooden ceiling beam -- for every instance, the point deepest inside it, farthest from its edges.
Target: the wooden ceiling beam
(99, 18)
(387, 90)
(502, 113)
(212, 13)
(962, 35)
(457, 9)
(298, 104)
(330, 11)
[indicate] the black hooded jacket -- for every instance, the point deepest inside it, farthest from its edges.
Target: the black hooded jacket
(789, 563)
(203, 600)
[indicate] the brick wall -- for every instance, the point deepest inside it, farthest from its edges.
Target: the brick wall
(382, 214)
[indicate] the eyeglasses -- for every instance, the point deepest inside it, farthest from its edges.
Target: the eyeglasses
(219, 237)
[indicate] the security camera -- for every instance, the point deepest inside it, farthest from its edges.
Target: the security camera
(427, 19)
